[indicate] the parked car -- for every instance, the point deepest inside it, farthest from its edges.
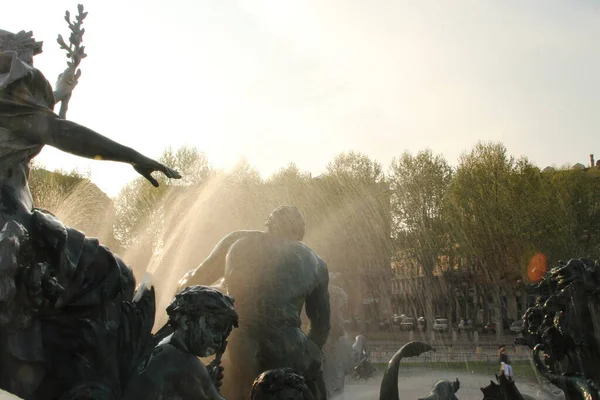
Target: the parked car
(397, 319)
(490, 327)
(516, 327)
(440, 325)
(407, 324)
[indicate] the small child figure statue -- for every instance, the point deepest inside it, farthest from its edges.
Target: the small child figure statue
(201, 318)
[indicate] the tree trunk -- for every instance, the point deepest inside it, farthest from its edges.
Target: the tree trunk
(498, 311)
(477, 316)
(428, 300)
(524, 299)
(511, 303)
(458, 309)
(486, 307)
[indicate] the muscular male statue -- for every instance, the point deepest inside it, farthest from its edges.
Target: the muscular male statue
(272, 275)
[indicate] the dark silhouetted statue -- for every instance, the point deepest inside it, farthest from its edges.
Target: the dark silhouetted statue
(272, 275)
(563, 328)
(54, 281)
(338, 361)
(201, 319)
(280, 384)
(505, 389)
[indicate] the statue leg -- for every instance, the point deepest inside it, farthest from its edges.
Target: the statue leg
(292, 349)
(317, 387)
(241, 366)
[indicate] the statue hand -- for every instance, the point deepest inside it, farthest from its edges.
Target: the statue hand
(216, 373)
(65, 84)
(186, 278)
(146, 170)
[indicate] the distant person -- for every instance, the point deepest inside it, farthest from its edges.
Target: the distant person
(505, 367)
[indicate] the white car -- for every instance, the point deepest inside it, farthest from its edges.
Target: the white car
(440, 325)
(407, 324)
(397, 319)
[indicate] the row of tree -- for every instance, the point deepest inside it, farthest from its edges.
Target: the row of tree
(489, 214)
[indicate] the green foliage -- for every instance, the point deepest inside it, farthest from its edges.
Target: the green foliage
(491, 213)
(244, 174)
(418, 186)
(48, 188)
(355, 167)
(75, 200)
(138, 206)
(289, 175)
(191, 163)
(483, 214)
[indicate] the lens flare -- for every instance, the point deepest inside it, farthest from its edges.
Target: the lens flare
(538, 265)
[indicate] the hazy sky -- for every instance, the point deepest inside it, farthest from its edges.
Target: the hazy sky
(299, 80)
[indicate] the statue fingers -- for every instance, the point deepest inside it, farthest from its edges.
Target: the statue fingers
(147, 173)
(171, 173)
(151, 179)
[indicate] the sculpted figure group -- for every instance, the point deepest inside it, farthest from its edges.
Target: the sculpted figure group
(563, 328)
(273, 276)
(73, 325)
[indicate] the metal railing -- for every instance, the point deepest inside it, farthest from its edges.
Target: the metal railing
(382, 357)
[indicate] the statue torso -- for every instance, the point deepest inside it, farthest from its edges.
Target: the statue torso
(271, 276)
(170, 374)
(16, 202)
(23, 91)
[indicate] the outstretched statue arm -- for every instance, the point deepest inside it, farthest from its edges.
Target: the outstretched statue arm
(213, 267)
(68, 136)
(318, 309)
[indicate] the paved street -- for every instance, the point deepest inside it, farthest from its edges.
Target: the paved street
(416, 384)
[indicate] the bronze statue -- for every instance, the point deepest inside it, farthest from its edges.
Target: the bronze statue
(51, 277)
(389, 384)
(272, 274)
(443, 390)
(201, 319)
(338, 361)
(280, 384)
(285, 384)
(505, 389)
(563, 328)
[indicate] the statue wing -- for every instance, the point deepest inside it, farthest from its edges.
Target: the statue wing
(135, 339)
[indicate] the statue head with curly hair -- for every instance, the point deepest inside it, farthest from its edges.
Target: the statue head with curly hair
(287, 222)
(280, 384)
(202, 318)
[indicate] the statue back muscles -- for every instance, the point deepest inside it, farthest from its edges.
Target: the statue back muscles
(271, 275)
